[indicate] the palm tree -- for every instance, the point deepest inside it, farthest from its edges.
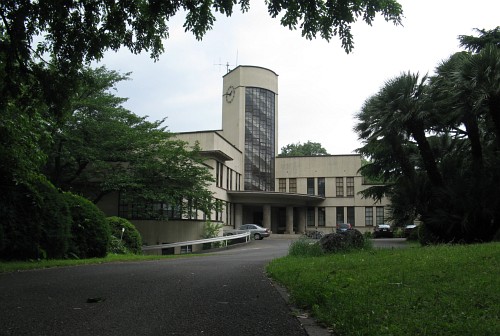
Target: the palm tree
(408, 109)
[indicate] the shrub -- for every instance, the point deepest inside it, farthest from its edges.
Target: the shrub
(125, 234)
(342, 242)
(34, 221)
(90, 232)
(305, 248)
(211, 230)
(426, 237)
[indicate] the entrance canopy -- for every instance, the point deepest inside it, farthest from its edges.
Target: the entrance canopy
(274, 198)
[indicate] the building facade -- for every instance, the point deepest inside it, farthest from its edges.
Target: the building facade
(288, 195)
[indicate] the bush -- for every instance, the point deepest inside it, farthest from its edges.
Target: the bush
(211, 230)
(129, 238)
(35, 221)
(426, 237)
(305, 248)
(342, 242)
(90, 232)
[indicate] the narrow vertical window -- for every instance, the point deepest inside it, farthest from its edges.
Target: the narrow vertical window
(349, 183)
(321, 216)
(321, 186)
(340, 215)
(350, 216)
(310, 216)
(292, 185)
(339, 186)
(380, 215)
(282, 185)
(310, 185)
(369, 216)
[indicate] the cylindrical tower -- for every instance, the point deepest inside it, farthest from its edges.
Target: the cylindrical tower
(250, 122)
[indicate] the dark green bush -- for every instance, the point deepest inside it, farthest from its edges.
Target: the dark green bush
(90, 233)
(131, 239)
(342, 242)
(34, 221)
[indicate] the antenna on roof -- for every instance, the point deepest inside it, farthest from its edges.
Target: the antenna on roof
(227, 65)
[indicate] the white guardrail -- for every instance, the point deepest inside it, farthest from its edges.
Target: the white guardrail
(200, 241)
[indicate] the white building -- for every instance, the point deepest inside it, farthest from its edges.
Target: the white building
(285, 194)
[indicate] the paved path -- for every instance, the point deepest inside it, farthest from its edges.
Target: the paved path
(226, 293)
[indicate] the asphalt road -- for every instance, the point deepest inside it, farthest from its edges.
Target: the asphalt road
(226, 293)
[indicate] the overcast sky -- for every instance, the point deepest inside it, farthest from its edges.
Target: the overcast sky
(321, 88)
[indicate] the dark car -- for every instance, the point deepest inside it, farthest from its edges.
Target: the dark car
(256, 231)
(409, 229)
(343, 227)
(383, 230)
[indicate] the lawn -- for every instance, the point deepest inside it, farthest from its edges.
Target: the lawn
(440, 290)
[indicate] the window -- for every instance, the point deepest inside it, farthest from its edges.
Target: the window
(186, 249)
(321, 216)
(321, 186)
(310, 185)
(349, 187)
(310, 217)
(369, 216)
(282, 185)
(230, 187)
(219, 174)
(259, 139)
(350, 216)
(380, 215)
(292, 185)
(339, 186)
(340, 215)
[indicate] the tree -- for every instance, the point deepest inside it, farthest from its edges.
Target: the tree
(102, 147)
(435, 145)
(35, 90)
(307, 149)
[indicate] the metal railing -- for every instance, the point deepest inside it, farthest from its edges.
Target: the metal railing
(245, 235)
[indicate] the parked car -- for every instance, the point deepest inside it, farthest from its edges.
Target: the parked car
(383, 230)
(409, 229)
(256, 231)
(343, 227)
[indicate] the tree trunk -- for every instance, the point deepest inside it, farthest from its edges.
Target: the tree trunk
(429, 161)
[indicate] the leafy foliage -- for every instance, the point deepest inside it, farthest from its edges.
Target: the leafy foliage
(342, 242)
(125, 232)
(34, 221)
(102, 147)
(307, 149)
(90, 232)
(434, 142)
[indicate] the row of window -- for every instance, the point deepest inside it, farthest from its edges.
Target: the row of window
(232, 178)
(317, 186)
(135, 209)
(339, 214)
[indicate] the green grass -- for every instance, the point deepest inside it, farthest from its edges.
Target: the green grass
(13, 266)
(441, 290)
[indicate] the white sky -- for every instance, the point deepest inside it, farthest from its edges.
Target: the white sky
(321, 87)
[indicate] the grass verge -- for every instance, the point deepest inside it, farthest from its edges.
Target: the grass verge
(13, 266)
(440, 290)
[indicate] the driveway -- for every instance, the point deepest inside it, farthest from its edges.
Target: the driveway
(226, 293)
